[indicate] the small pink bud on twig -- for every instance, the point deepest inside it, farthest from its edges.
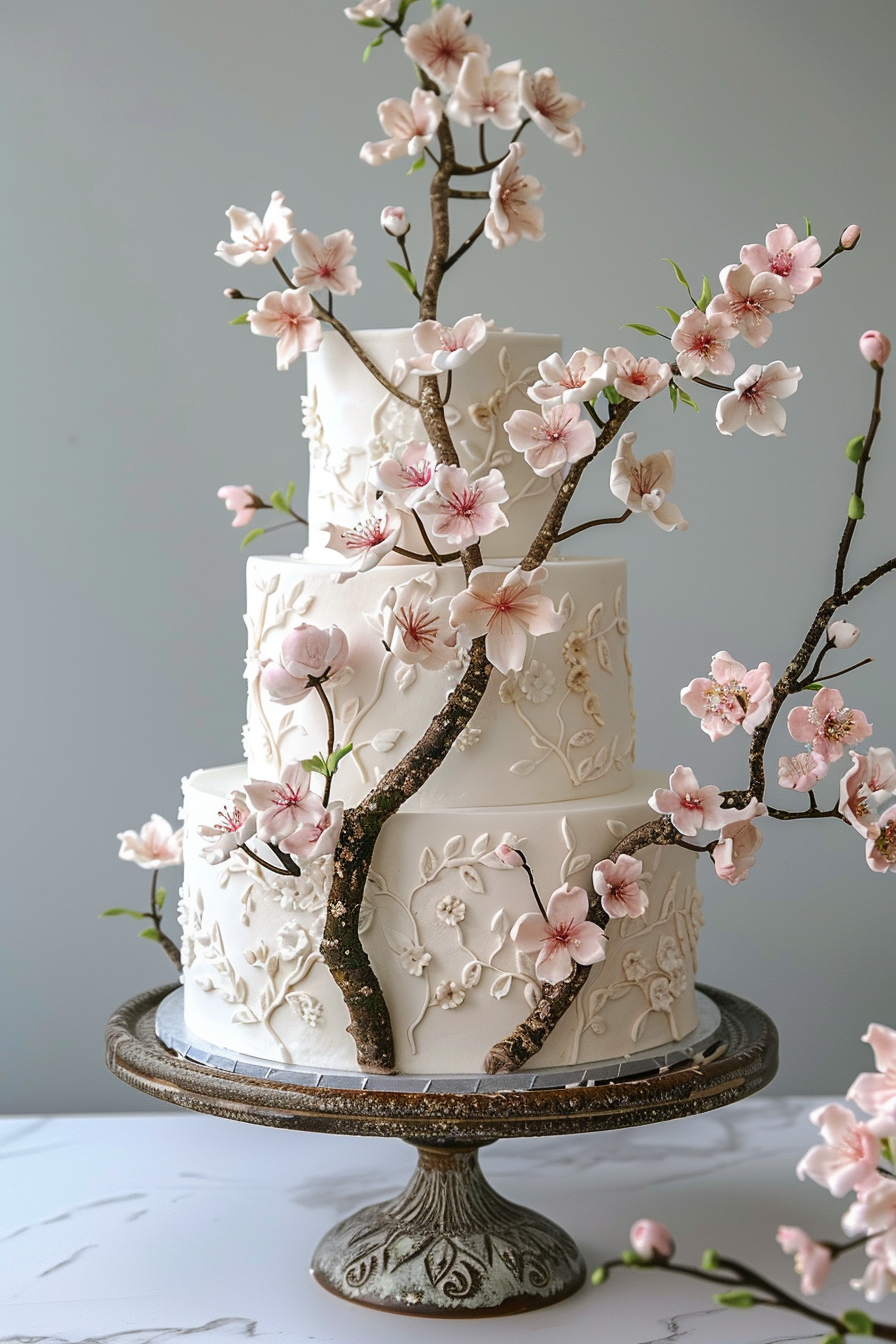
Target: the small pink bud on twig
(233, 294)
(875, 347)
(509, 856)
(842, 634)
(395, 221)
(850, 236)
(652, 1241)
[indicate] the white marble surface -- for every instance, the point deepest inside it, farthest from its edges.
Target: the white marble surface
(143, 1229)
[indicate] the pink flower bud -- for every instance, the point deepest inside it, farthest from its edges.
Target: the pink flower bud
(395, 221)
(509, 856)
(241, 500)
(308, 651)
(875, 347)
(652, 1241)
(850, 236)
(843, 635)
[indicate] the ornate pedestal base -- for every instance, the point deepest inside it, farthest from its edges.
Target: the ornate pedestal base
(449, 1245)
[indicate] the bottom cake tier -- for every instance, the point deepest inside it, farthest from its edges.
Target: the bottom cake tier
(436, 923)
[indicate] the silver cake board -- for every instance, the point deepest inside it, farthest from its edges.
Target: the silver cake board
(173, 1032)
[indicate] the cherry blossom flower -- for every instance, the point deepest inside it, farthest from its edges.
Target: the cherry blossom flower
(324, 265)
(756, 400)
(876, 1092)
(511, 215)
(651, 1241)
(440, 45)
(285, 805)
(551, 109)
(254, 239)
(443, 348)
(394, 220)
(617, 886)
(407, 478)
(874, 1211)
(447, 995)
(749, 299)
(308, 655)
(827, 726)
(702, 341)
(794, 260)
(566, 936)
(850, 236)
(157, 846)
(879, 1279)
(505, 608)
(848, 1158)
(370, 540)
(812, 1260)
(801, 772)
(637, 379)
(586, 374)
(842, 634)
(289, 317)
(416, 626)
(735, 854)
(880, 849)
(875, 347)
(864, 787)
(317, 837)
(241, 500)
(479, 96)
(236, 825)
(642, 485)
(372, 9)
(409, 126)
(510, 857)
(729, 696)
(460, 511)
(553, 439)
(692, 809)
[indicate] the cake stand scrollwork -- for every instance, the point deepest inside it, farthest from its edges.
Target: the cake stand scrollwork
(449, 1245)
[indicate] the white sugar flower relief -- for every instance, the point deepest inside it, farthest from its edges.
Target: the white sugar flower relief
(440, 45)
(511, 214)
(551, 109)
(460, 511)
(467, 737)
(409, 126)
(506, 609)
(442, 348)
(416, 626)
(451, 910)
(643, 485)
(324, 265)
(414, 958)
(256, 240)
(581, 379)
(369, 541)
(756, 400)
(481, 96)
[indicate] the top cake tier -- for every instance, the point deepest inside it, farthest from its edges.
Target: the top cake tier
(352, 422)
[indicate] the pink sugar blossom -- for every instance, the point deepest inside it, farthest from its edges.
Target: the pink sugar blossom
(409, 126)
(581, 379)
(843, 634)
(879, 1279)
(637, 379)
(324, 265)
(617, 886)
(692, 809)
(880, 849)
(241, 500)
(749, 300)
(289, 317)
(827, 726)
(460, 511)
(874, 1211)
(316, 838)
(812, 1260)
(370, 540)
(785, 255)
(642, 484)
(505, 608)
(510, 857)
(236, 825)
(440, 45)
(372, 9)
(394, 219)
(870, 780)
(406, 479)
(875, 347)
(511, 215)
(756, 400)
(443, 348)
(285, 805)
(702, 341)
(729, 696)
(253, 239)
(651, 1241)
(801, 772)
(850, 236)
(480, 96)
(876, 1092)
(566, 936)
(848, 1158)
(553, 439)
(735, 854)
(156, 846)
(416, 627)
(308, 655)
(552, 110)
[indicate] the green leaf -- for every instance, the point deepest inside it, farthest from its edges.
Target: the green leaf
(679, 273)
(673, 393)
(403, 9)
(815, 686)
(278, 499)
(335, 757)
(250, 536)
(855, 447)
(858, 1322)
(369, 23)
(598, 1276)
(120, 910)
(405, 274)
(414, 168)
(240, 321)
(808, 228)
(318, 765)
(856, 508)
(645, 331)
(737, 1297)
(676, 317)
(290, 491)
(631, 1258)
(710, 1260)
(886, 1147)
(152, 934)
(833, 1339)
(160, 897)
(612, 396)
(705, 296)
(377, 42)
(688, 401)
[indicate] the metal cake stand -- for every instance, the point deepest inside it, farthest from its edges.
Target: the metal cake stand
(449, 1245)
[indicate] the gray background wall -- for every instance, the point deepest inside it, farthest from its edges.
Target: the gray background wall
(130, 127)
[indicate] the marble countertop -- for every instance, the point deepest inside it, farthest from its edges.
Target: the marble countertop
(149, 1229)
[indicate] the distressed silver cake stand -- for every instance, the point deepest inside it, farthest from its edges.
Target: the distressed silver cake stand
(449, 1245)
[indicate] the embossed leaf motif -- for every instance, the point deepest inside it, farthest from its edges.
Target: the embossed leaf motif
(471, 974)
(603, 654)
(439, 1259)
(593, 616)
(617, 828)
(349, 710)
(386, 740)
(244, 1015)
(453, 847)
(405, 676)
(522, 767)
(500, 923)
(532, 993)
(480, 845)
(428, 864)
(583, 738)
(566, 608)
(504, 361)
(617, 601)
(365, 917)
(577, 863)
(471, 878)
(501, 986)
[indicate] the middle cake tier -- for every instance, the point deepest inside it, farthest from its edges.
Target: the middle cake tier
(561, 728)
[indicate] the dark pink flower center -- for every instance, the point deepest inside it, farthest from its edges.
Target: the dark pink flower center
(368, 534)
(417, 475)
(419, 627)
(781, 263)
(231, 819)
(692, 801)
(466, 503)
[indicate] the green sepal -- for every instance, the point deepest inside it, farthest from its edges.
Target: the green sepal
(679, 273)
(710, 1260)
(612, 396)
(645, 331)
(886, 1147)
(240, 321)
(858, 1322)
(152, 934)
(833, 1339)
(705, 296)
(815, 686)
(676, 317)
(736, 1297)
(120, 910)
(317, 765)
(290, 491)
(855, 448)
(598, 1276)
(369, 23)
(856, 508)
(377, 42)
(279, 501)
(414, 168)
(673, 396)
(251, 536)
(335, 757)
(405, 274)
(160, 897)
(435, 4)
(630, 1257)
(688, 401)
(808, 227)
